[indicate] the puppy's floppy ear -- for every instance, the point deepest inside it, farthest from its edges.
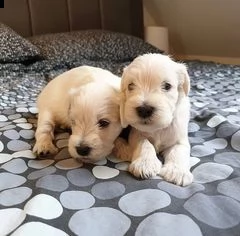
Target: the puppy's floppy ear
(123, 100)
(184, 80)
(73, 95)
(72, 92)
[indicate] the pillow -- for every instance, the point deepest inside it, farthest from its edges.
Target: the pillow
(92, 45)
(15, 48)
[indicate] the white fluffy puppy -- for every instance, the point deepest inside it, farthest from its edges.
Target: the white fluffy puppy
(155, 102)
(85, 99)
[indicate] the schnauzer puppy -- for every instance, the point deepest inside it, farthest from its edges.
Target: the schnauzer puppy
(85, 99)
(155, 103)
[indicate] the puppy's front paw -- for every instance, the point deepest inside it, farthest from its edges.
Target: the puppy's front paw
(177, 175)
(145, 167)
(44, 148)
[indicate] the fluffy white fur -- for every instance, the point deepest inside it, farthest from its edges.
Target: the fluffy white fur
(157, 82)
(85, 99)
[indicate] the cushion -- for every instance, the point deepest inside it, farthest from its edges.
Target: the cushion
(15, 48)
(93, 45)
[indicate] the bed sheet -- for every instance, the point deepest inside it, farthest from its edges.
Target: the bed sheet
(58, 196)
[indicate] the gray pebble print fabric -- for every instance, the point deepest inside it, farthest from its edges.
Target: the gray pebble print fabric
(59, 196)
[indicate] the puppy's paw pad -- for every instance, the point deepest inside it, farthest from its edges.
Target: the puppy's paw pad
(145, 168)
(44, 148)
(177, 175)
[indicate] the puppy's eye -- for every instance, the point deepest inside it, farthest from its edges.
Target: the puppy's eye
(131, 86)
(103, 123)
(167, 86)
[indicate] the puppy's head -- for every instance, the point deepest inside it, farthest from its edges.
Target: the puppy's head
(95, 121)
(152, 86)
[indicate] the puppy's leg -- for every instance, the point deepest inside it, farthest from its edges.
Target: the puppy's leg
(144, 162)
(122, 149)
(44, 134)
(176, 168)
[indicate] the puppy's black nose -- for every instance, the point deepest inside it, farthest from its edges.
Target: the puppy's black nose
(145, 111)
(83, 150)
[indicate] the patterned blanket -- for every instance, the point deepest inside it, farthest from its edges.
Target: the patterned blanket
(59, 196)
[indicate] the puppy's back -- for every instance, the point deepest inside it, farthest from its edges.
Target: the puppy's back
(55, 97)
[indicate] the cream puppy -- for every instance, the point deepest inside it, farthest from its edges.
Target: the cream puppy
(85, 99)
(155, 103)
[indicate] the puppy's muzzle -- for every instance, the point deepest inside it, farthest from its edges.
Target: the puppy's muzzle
(145, 111)
(83, 150)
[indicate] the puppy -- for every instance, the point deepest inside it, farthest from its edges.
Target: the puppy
(155, 103)
(85, 99)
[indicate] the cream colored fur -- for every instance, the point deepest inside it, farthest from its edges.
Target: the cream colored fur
(84, 99)
(146, 81)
